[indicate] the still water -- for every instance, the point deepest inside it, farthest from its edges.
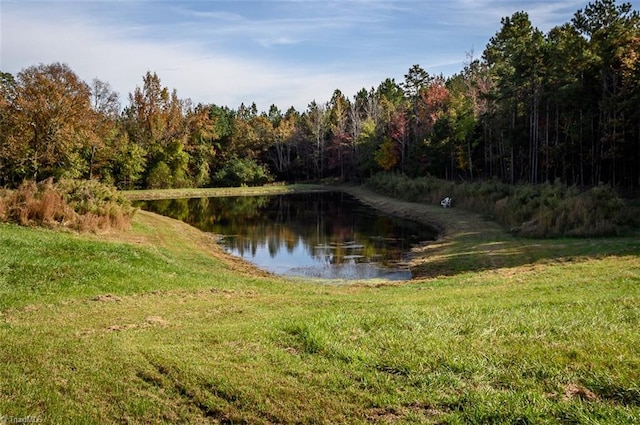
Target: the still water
(328, 235)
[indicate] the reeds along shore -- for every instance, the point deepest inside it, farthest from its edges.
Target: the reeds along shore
(545, 210)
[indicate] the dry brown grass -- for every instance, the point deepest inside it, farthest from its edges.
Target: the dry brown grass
(3, 205)
(50, 204)
(33, 203)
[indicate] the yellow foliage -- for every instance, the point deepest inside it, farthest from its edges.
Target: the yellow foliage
(387, 155)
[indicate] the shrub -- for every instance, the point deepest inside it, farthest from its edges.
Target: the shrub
(36, 203)
(595, 212)
(242, 172)
(159, 177)
(77, 204)
(557, 210)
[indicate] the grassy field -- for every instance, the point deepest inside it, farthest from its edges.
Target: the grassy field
(158, 325)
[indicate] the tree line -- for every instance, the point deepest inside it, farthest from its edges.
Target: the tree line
(535, 107)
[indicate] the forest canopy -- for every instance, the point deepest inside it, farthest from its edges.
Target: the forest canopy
(534, 107)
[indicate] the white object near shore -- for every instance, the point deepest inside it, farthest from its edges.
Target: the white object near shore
(446, 202)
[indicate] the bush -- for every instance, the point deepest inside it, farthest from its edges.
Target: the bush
(242, 172)
(160, 177)
(552, 210)
(78, 204)
(35, 203)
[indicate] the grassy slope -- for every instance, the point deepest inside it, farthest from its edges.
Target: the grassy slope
(159, 326)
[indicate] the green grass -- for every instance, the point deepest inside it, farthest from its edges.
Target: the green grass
(217, 191)
(45, 265)
(158, 326)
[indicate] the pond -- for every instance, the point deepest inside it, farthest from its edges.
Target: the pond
(329, 235)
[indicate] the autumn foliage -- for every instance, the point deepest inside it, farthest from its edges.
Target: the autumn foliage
(533, 108)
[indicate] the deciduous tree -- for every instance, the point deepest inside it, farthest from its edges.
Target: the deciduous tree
(50, 120)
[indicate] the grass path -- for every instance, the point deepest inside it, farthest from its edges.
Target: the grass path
(469, 242)
(462, 234)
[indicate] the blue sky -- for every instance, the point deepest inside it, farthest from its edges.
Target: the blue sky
(283, 52)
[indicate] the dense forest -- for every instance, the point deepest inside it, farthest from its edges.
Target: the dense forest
(562, 106)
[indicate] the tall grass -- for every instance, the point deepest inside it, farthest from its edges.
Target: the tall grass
(545, 210)
(79, 205)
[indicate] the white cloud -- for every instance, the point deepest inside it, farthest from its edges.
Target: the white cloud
(287, 53)
(270, 42)
(110, 54)
(543, 14)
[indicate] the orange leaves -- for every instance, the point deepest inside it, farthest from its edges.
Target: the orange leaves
(434, 102)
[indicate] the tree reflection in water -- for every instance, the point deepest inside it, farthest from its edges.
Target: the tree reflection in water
(319, 234)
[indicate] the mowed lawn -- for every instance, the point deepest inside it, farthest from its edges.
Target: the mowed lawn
(157, 325)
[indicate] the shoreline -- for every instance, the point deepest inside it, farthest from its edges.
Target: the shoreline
(458, 230)
(463, 237)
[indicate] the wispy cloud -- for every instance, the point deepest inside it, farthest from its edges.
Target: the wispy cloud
(544, 14)
(270, 42)
(111, 54)
(282, 52)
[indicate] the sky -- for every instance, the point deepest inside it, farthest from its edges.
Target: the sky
(286, 53)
